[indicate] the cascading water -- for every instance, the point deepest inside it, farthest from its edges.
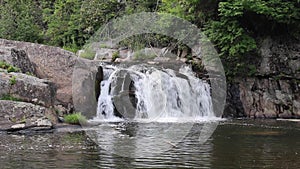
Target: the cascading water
(147, 93)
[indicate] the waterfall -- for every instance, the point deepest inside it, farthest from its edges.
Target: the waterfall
(143, 92)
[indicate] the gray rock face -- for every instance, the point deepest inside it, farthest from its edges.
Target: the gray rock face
(21, 115)
(5, 54)
(17, 58)
(280, 56)
(234, 107)
(27, 88)
(269, 98)
(104, 53)
(50, 63)
(87, 77)
(21, 60)
(275, 92)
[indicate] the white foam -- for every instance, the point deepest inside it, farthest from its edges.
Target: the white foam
(161, 96)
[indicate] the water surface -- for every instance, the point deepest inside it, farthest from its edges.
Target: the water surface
(234, 144)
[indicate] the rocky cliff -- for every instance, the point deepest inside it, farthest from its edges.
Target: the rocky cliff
(274, 92)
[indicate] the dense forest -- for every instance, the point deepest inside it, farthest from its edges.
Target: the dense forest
(234, 26)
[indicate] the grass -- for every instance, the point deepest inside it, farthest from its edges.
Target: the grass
(75, 118)
(115, 55)
(30, 74)
(13, 80)
(9, 97)
(141, 55)
(88, 54)
(8, 67)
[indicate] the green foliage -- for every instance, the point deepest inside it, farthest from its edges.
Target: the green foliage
(115, 55)
(13, 80)
(141, 55)
(30, 74)
(9, 67)
(12, 69)
(76, 118)
(9, 97)
(64, 24)
(20, 21)
(234, 37)
(232, 25)
(88, 54)
(231, 39)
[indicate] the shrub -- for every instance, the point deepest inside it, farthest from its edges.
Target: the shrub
(115, 55)
(12, 80)
(76, 118)
(8, 67)
(88, 54)
(9, 97)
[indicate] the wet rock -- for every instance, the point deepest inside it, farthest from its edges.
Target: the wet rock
(87, 74)
(268, 98)
(234, 106)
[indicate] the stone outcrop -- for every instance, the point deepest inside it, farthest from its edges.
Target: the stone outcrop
(86, 88)
(43, 86)
(17, 58)
(52, 63)
(270, 98)
(275, 90)
(20, 115)
(27, 88)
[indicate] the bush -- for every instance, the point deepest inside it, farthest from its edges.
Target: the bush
(76, 118)
(88, 54)
(115, 55)
(9, 97)
(8, 67)
(13, 80)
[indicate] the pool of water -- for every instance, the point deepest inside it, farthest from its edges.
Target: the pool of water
(234, 144)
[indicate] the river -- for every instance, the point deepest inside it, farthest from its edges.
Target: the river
(234, 144)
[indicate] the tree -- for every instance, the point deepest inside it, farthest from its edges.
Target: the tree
(18, 21)
(64, 24)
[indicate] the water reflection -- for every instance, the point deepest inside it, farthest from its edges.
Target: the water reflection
(141, 140)
(242, 144)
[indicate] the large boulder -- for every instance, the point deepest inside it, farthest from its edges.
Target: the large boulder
(27, 88)
(20, 115)
(52, 63)
(86, 86)
(17, 58)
